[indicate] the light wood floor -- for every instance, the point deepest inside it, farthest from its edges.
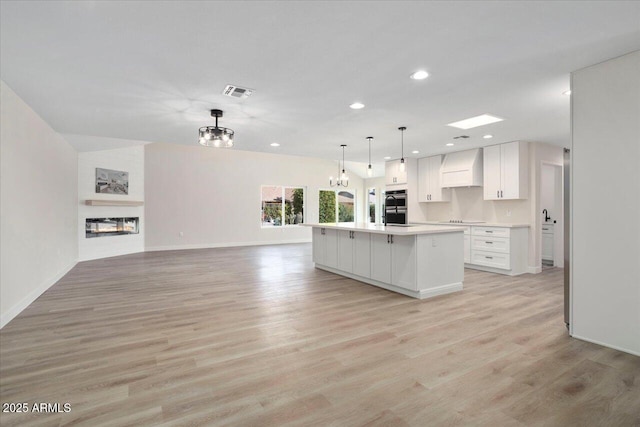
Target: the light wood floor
(258, 337)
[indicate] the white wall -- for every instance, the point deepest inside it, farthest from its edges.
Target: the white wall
(130, 159)
(38, 198)
(605, 265)
(212, 196)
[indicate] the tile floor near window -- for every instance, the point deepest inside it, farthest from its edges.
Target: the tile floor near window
(257, 336)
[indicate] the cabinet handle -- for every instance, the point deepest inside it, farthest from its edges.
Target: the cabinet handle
(488, 231)
(498, 193)
(488, 257)
(388, 239)
(501, 196)
(489, 243)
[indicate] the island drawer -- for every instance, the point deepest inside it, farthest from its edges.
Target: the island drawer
(491, 244)
(490, 231)
(491, 259)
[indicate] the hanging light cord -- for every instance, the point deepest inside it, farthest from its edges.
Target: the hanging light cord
(369, 151)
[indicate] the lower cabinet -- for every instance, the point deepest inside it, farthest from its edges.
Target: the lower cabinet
(354, 249)
(499, 249)
(325, 247)
(393, 260)
(467, 245)
(547, 243)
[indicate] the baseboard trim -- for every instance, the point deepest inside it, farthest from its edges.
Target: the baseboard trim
(626, 350)
(32, 296)
(223, 245)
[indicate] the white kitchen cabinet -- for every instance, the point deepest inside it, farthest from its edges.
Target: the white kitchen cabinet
(403, 262)
(429, 188)
(421, 265)
(325, 247)
(393, 260)
(381, 258)
(506, 171)
(547, 243)
(393, 174)
(467, 248)
(501, 250)
(354, 253)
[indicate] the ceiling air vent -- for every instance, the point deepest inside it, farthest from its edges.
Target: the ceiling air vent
(237, 92)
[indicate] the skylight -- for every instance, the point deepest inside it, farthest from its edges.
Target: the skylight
(473, 122)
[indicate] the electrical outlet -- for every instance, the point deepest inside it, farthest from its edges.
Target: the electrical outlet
(181, 234)
(508, 213)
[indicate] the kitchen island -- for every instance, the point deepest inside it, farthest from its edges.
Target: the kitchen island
(420, 261)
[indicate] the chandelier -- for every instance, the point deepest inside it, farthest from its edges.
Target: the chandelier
(214, 136)
(342, 180)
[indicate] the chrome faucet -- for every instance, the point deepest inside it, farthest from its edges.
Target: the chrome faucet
(385, 203)
(546, 215)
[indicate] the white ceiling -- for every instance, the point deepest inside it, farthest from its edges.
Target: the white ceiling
(151, 71)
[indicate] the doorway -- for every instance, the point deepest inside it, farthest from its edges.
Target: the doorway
(552, 217)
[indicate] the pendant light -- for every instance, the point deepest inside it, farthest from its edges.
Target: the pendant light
(402, 165)
(369, 170)
(342, 180)
(214, 136)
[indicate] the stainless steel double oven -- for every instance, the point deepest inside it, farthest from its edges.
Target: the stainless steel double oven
(395, 207)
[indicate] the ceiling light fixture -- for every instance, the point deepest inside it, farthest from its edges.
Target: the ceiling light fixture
(419, 75)
(481, 120)
(449, 144)
(342, 180)
(567, 92)
(214, 136)
(387, 157)
(275, 144)
(488, 136)
(415, 152)
(369, 170)
(356, 106)
(403, 167)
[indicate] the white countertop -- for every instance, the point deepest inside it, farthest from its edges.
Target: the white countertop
(476, 224)
(390, 229)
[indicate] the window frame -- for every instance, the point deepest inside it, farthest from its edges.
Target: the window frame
(335, 191)
(283, 188)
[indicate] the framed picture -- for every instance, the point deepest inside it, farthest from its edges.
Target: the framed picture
(112, 182)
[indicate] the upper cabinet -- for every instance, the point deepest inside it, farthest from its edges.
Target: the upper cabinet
(393, 174)
(429, 188)
(506, 171)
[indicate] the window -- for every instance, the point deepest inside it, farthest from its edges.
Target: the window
(372, 204)
(282, 205)
(336, 206)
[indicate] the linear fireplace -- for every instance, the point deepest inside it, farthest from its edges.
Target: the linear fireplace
(101, 227)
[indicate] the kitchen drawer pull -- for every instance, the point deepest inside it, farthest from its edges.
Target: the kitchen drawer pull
(488, 257)
(488, 231)
(388, 240)
(489, 243)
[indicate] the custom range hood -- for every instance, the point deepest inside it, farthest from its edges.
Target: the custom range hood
(462, 169)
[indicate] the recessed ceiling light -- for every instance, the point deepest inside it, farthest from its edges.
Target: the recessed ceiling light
(275, 144)
(419, 75)
(566, 92)
(356, 105)
(488, 136)
(449, 144)
(481, 120)
(415, 152)
(387, 157)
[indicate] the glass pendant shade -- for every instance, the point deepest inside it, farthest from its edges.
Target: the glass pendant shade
(369, 171)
